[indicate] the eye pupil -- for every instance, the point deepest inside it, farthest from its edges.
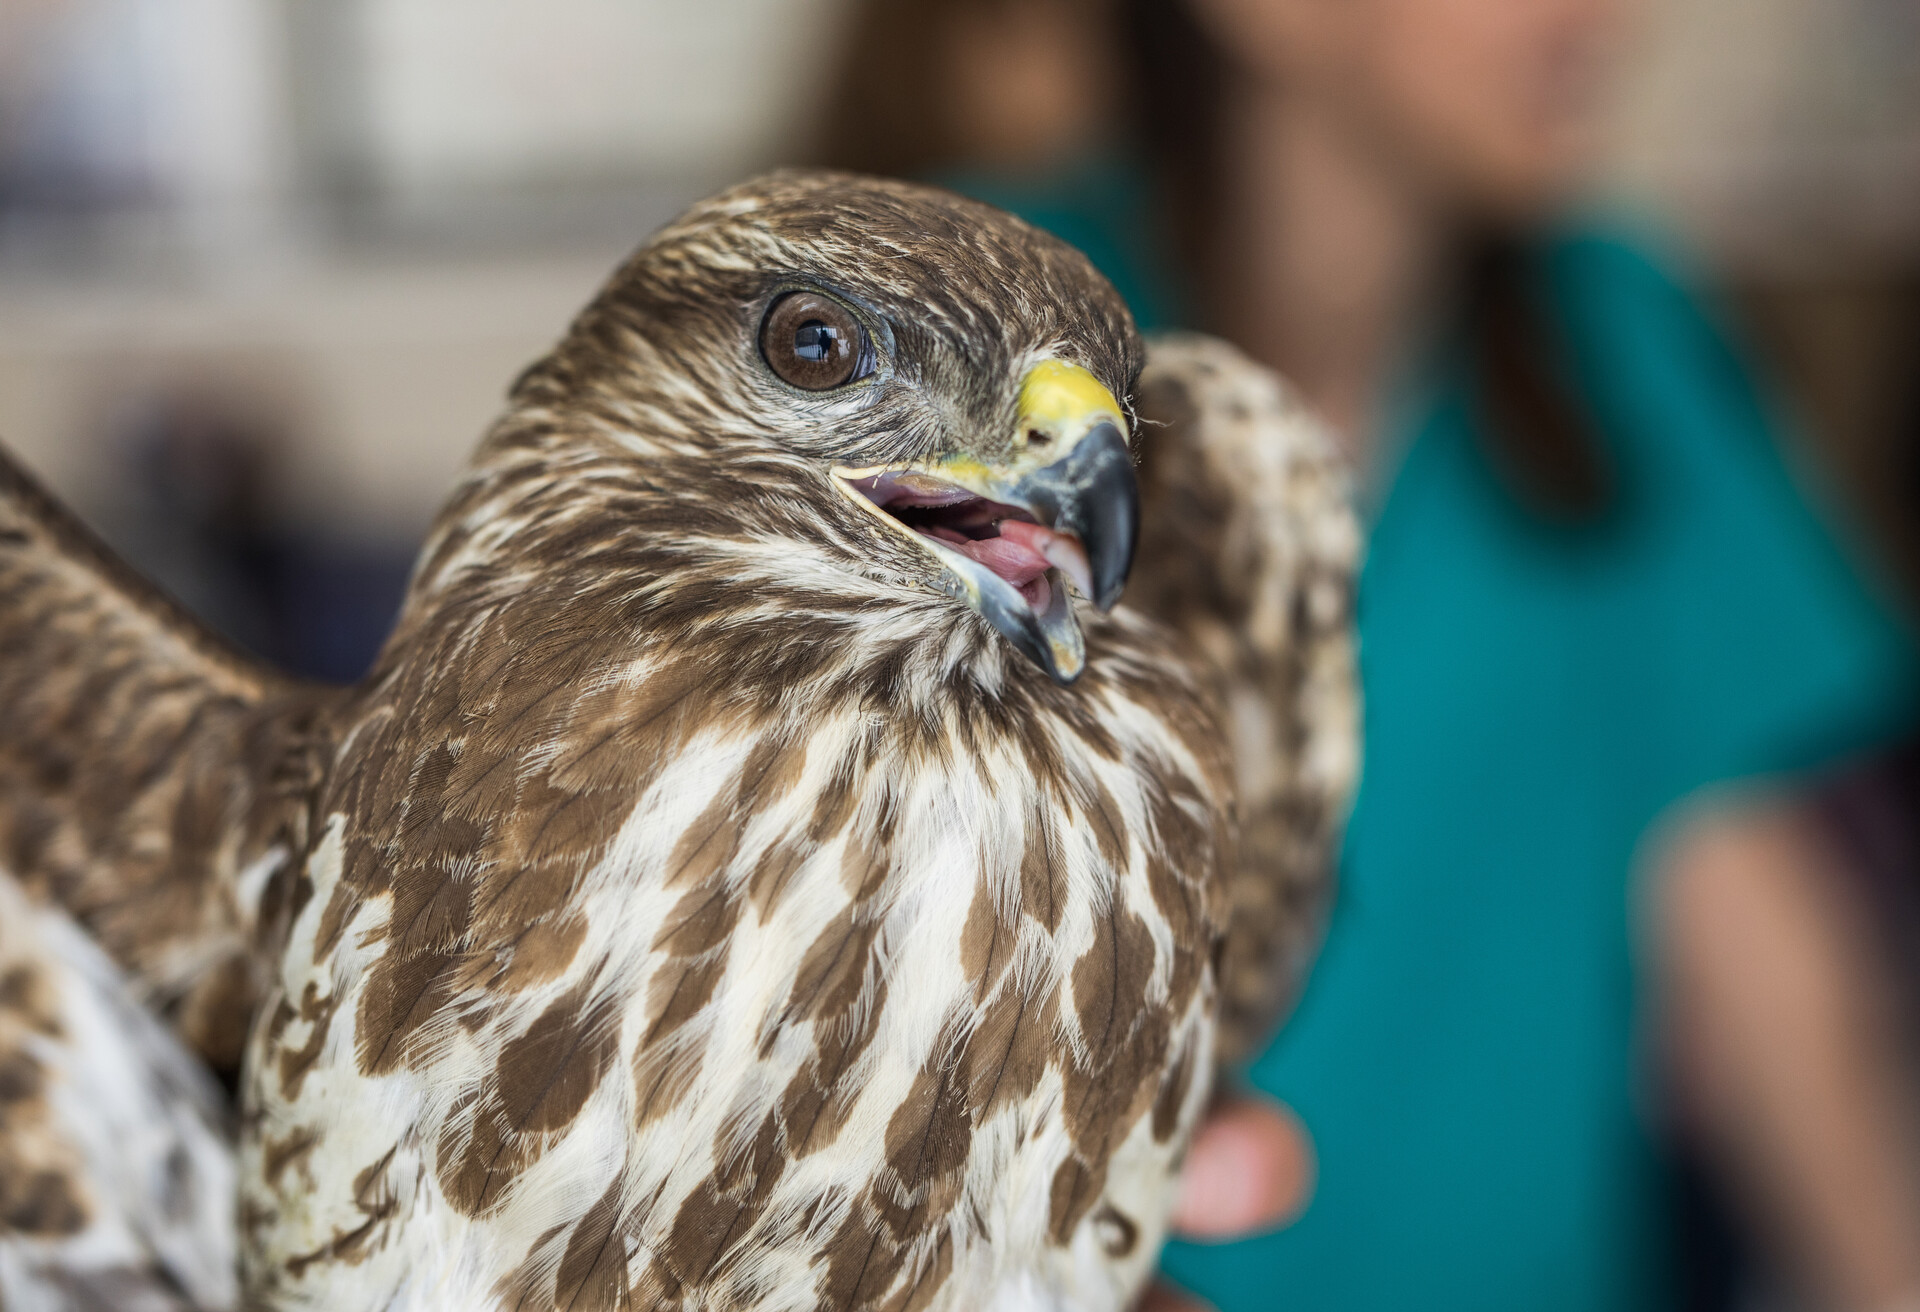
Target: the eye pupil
(814, 342)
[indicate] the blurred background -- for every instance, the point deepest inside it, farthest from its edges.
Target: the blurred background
(266, 266)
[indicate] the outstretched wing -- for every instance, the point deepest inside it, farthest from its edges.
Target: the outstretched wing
(116, 1163)
(1249, 547)
(150, 778)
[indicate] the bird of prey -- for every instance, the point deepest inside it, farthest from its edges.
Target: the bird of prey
(763, 869)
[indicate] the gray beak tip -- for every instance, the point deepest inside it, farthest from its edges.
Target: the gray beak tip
(1092, 494)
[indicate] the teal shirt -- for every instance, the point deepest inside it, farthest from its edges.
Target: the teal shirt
(1466, 1054)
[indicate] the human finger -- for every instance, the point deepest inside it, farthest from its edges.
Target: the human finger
(1250, 1169)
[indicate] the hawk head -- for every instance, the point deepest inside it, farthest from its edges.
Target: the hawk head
(918, 389)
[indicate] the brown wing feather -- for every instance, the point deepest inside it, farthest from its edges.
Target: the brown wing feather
(144, 766)
(1249, 548)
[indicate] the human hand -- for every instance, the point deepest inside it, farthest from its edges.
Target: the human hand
(1250, 1170)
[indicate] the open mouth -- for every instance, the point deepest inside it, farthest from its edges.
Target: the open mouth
(999, 559)
(1005, 540)
(1056, 511)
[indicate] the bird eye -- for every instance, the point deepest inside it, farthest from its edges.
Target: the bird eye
(814, 342)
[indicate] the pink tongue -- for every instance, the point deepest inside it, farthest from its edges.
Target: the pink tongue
(1015, 561)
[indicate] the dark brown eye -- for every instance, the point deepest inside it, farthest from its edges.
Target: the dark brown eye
(813, 342)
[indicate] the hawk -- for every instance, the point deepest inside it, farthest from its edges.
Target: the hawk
(763, 869)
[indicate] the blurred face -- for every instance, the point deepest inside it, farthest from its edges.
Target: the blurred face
(1493, 103)
(1029, 83)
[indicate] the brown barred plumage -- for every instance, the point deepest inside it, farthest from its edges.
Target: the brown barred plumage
(1250, 550)
(703, 904)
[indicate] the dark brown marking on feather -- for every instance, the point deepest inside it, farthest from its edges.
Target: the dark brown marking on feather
(294, 1063)
(708, 844)
(1172, 1099)
(931, 1132)
(403, 995)
(21, 1077)
(1185, 873)
(830, 976)
(928, 1141)
(1118, 1232)
(27, 994)
(1110, 978)
(721, 1209)
(679, 990)
(530, 1285)
(772, 770)
(656, 1290)
(986, 942)
(593, 1270)
(750, 1166)
(698, 923)
(663, 1074)
(1076, 1186)
(706, 1222)
(477, 1157)
(41, 1172)
(1011, 1049)
(545, 1076)
(821, 1095)
(543, 952)
(863, 1261)
(376, 1199)
(1104, 817)
(781, 861)
(833, 807)
(341, 906)
(1043, 876)
(276, 1155)
(216, 1014)
(864, 866)
(40, 1204)
(1109, 1085)
(919, 1293)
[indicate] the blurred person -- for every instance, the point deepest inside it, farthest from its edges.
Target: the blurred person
(1785, 924)
(1592, 585)
(1017, 103)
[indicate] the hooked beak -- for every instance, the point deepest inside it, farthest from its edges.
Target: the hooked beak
(1062, 505)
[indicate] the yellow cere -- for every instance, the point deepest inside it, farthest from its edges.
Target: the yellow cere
(968, 472)
(1065, 400)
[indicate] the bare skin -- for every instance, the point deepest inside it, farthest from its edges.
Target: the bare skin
(1784, 1051)
(1363, 136)
(1326, 259)
(1250, 1170)
(1029, 84)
